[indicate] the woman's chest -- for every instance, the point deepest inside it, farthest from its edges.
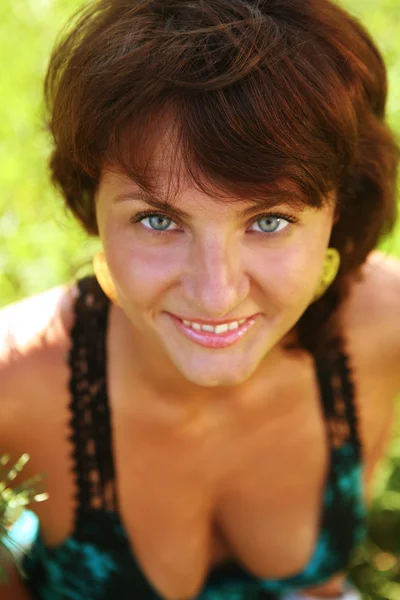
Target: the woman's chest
(243, 484)
(246, 488)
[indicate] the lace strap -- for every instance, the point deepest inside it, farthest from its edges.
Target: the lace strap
(338, 401)
(90, 427)
(347, 393)
(344, 509)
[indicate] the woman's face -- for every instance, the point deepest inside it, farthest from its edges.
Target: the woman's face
(213, 263)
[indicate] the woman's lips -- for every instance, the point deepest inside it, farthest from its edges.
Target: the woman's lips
(214, 340)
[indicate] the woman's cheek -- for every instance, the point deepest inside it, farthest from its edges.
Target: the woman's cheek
(148, 268)
(292, 275)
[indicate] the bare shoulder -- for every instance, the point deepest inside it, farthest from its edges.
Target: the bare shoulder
(29, 322)
(371, 318)
(372, 312)
(377, 288)
(34, 334)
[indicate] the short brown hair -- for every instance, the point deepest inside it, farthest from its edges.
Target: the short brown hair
(264, 94)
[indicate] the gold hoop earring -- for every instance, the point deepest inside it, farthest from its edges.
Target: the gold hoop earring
(329, 271)
(103, 277)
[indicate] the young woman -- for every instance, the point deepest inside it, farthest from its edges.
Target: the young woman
(210, 407)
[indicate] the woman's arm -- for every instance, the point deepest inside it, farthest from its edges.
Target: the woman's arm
(15, 588)
(18, 344)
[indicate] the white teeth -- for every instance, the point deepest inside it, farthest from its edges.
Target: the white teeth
(218, 329)
(222, 328)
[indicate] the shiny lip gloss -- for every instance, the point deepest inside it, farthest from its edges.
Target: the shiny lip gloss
(214, 340)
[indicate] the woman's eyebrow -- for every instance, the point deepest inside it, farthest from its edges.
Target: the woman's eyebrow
(151, 201)
(272, 200)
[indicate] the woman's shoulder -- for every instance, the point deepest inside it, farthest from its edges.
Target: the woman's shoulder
(34, 336)
(379, 281)
(37, 322)
(371, 317)
(371, 324)
(373, 305)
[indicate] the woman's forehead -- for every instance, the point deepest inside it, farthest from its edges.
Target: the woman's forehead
(167, 188)
(190, 203)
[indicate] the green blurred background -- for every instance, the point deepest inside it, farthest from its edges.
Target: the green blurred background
(41, 246)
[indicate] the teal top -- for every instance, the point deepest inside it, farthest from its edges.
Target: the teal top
(96, 562)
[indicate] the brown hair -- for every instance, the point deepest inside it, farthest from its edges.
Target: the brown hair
(265, 94)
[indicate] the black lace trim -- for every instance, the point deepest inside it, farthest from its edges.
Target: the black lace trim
(344, 518)
(338, 398)
(90, 424)
(348, 394)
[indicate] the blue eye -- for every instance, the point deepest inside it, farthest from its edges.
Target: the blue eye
(158, 222)
(272, 223)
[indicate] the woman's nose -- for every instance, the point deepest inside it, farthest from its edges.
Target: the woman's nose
(215, 281)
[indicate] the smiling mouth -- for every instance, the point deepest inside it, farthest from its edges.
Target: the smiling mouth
(221, 336)
(218, 328)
